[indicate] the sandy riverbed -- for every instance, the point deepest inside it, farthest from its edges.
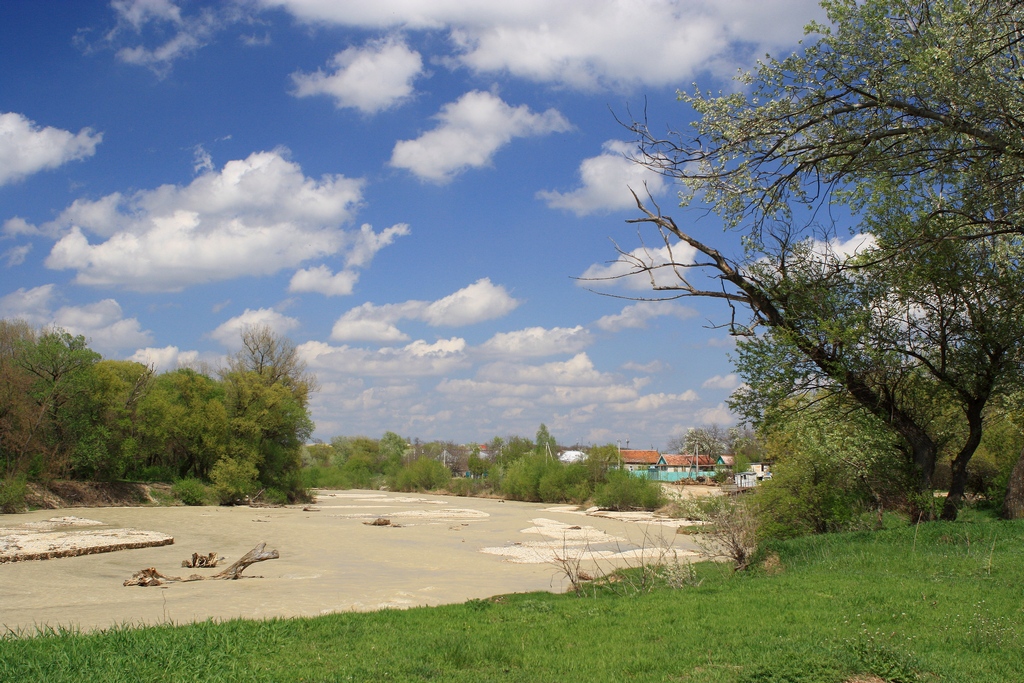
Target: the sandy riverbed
(442, 550)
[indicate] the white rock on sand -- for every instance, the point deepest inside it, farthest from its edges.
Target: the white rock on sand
(65, 537)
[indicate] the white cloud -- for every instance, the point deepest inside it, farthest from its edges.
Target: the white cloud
(255, 217)
(480, 301)
(626, 271)
(720, 415)
(166, 358)
(31, 305)
(517, 387)
(636, 316)
(416, 359)
(370, 79)
(535, 342)
(730, 381)
(471, 130)
(26, 148)
(585, 43)
(475, 303)
(654, 366)
(189, 32)
(103, 325)
(578, 370)
(606, 182)
(323, 281)
(229, 333)
(16, 255)
(363, 247)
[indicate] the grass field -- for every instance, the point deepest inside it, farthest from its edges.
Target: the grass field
(938, 602)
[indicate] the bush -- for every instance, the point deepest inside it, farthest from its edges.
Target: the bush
(191, 491)
(12, 494)
(623, 491)
(425, 474)
(234, 479)
(464, 486)
(155, 473)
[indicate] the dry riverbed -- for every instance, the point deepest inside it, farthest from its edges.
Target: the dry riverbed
(436, 550)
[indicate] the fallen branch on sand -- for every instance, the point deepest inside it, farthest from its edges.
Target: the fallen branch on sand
(202, 561)
(151, 577)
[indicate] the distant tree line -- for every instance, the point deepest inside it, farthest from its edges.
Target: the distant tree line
(66, 412)
(514, 467)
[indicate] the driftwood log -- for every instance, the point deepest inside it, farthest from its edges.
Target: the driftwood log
(151, 577)
(202, 561)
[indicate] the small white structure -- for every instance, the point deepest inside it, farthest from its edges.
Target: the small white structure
(746, 480)
(572, 456)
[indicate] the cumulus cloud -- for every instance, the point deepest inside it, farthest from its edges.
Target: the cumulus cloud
(27, 148)
(475, 303)
(322, 280)
(719, 415)
(229, 333)
(535, 342)
(606, 181)
(628, 270)
(730, 381)
(31, 305)
(371, 78)
(585, 44)
(15, 256)
(256, 216)
(103, 325)
(364, 245)
(470, 131)
(139, 21)
(166, 358)
(636, 316)
(416, 359)
(652, 367)
(574, 382)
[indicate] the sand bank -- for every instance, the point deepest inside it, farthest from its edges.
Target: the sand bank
(438, 550)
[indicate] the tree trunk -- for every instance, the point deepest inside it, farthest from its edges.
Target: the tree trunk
(958, 481)
(151, 577)
(1013, 503)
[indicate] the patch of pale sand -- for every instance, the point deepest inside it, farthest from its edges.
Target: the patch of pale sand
(327, 563)
(639, 516)
(33, 544)
(50, 524)
(542, 552)
(657, 554)
(445, 515)
(561, 531)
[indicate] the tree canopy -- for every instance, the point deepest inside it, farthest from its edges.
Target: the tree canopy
(899, 124)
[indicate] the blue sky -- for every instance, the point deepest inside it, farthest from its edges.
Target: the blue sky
(407, 189)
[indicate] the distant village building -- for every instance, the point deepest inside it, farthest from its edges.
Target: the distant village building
(667, 467)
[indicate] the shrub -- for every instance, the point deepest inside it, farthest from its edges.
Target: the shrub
(623, 491)
(12, 494)
(190, 491)
(425, 474)
(463, 486)
(233, 479)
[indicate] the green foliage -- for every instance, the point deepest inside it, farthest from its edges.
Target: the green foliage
(12, 494)
(829, 464)
(66, 412)
(623, 491)
(895, 115)
(191, 491)
(423, 474)
(234, 479)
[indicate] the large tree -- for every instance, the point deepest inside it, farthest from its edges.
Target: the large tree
(901, 123)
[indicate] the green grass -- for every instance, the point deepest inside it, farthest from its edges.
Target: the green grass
(939, 602)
